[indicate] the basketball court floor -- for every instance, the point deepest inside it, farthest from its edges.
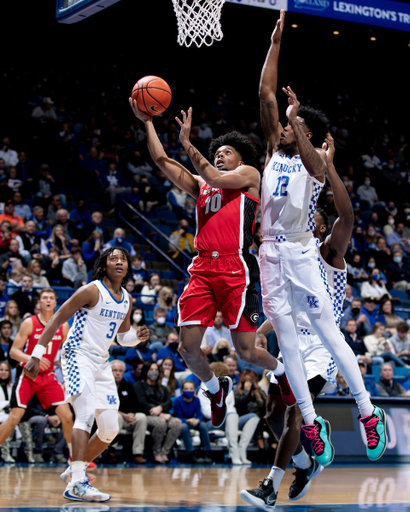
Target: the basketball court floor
(216, 488)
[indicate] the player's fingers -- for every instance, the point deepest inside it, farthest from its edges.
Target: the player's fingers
(285, 90)
(178, 121)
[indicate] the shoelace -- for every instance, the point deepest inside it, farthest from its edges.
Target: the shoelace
(372, 436)
(313, 434)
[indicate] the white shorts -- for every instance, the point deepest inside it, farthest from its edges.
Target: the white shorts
(290, 277)
(316, 361)
(79, 369)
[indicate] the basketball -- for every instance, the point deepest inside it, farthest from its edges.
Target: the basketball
(152, 94)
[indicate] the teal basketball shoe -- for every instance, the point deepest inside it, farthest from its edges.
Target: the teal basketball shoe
(319, 436)
(376, 433)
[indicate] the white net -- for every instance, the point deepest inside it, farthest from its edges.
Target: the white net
(198, 21)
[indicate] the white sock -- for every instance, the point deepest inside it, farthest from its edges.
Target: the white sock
(363, 402)
(77, 471)
(279, 370)
(213, 385)
(276, 474)
(302, 460)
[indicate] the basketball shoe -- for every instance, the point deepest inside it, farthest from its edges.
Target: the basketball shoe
(303, 477)
(83, 491)
(319, 436)
(376, 433)
(264, 497)
(218, 401)
(286, 390)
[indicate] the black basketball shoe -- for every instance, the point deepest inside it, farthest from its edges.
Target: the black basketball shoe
(303, 477)
(264, 497)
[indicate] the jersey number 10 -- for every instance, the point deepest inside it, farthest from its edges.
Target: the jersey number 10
(283, 182)
(213, 203)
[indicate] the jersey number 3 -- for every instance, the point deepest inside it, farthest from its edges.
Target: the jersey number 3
(113, 325)
(283, 182)
(213, 203)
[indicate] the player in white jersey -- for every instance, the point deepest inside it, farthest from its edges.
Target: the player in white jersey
(101, 310)
(290, 275)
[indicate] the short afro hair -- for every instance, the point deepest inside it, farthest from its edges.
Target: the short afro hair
(324, 216)
(243, 145)
(317, 123)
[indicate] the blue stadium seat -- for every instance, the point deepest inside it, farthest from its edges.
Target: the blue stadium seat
(149, 256)
(168, 274)
(399, 294)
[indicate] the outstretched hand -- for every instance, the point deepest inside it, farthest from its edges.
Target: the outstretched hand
(329, 147)
(277, 33)
(141, 115)
(185, 125)
(294, 104)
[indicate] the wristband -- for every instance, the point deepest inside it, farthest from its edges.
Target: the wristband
(39, 351)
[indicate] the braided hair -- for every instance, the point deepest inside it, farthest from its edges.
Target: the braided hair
(100, 265)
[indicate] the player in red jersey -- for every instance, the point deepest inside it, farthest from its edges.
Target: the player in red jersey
(48, 390)
(224, 274)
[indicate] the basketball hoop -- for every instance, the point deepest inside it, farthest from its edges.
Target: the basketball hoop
(198, 21)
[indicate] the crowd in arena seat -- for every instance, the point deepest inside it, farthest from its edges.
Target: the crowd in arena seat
(79, 152)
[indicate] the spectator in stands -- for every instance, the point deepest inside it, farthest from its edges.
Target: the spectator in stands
(4, 298)
(60, 240)
(171, 350)
(151, 289)
(155, 401)
(6, 193)
(142, 351)
(355, 271)
(177, 199)
(371, 160)
(231, 362)
(150, 193)
(378, 345)
(46, 186)
(220, 350)
(13, 182)
(5, 396)
(17, 223)
(118, 240)
(7, 154)
(367, 193)
(388, 317)
(159, 330)
(397, 237)
(382, 254)
(401, 342)
(134, 375)
(358, 240)
(354, 313)
(94, 165)
(39, 280)
(53, 267)
(188, 409)
(348, 296)
(342, 387)
(370, 311)
(387, 386)
(184, 241)
(12, 259)
(6, 328)
(92, 248)
(189, 212)
(42, 226)
(356, 342)
(389, 226)
(27, 297)
(398, 271)
(53, 207)
(74, 269)
(128, 415)
(6, 236)
(167, 374)
(139, 273)
(369, 384)
(70, 228)
(12, 314)
(45, 114)
(373, 287)
(31, 240)
(217, 331)
(167, 300)
(80, 217)
(14, 279)
(96, 224)
(114, 183)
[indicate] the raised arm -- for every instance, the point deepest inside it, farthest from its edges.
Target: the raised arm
(244, 176)
(176, 172)
(314, 160)
(335, 245)
(267, 89)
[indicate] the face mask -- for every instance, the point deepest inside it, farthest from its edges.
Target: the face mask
(222, 352)
(119, 240)
(376, 277)
(184, 158)
(391, 167)
(168, 301)
(173, 346)
(397, 259)
(153, 375)
(355, 311)
(391, 222)
(188, 394)
(391, 208)
(367, 182)
(407, 211)
(160, 320)
(371, 233)
(203, 126)
(371, 265)
(374, 219)
(137, 317)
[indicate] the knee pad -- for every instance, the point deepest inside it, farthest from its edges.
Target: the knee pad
(107, 423)
(84, 424)
(107, 437)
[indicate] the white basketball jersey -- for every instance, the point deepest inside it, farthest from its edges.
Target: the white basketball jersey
(289, 196)
(94, 329)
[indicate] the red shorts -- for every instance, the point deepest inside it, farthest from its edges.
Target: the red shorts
(46, 387)
(225, 283)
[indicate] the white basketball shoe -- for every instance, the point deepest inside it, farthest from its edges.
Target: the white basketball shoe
(83, 491)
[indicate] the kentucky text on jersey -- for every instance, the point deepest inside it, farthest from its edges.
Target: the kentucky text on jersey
(109, 313)
(286, 168)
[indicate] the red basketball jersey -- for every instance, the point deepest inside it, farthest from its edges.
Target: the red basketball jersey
(225, 220)
(52, 347)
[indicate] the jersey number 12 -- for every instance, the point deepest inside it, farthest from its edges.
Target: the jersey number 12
(283, 182)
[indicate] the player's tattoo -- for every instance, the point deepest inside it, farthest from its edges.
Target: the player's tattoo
(308, 153)
(268, 117)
